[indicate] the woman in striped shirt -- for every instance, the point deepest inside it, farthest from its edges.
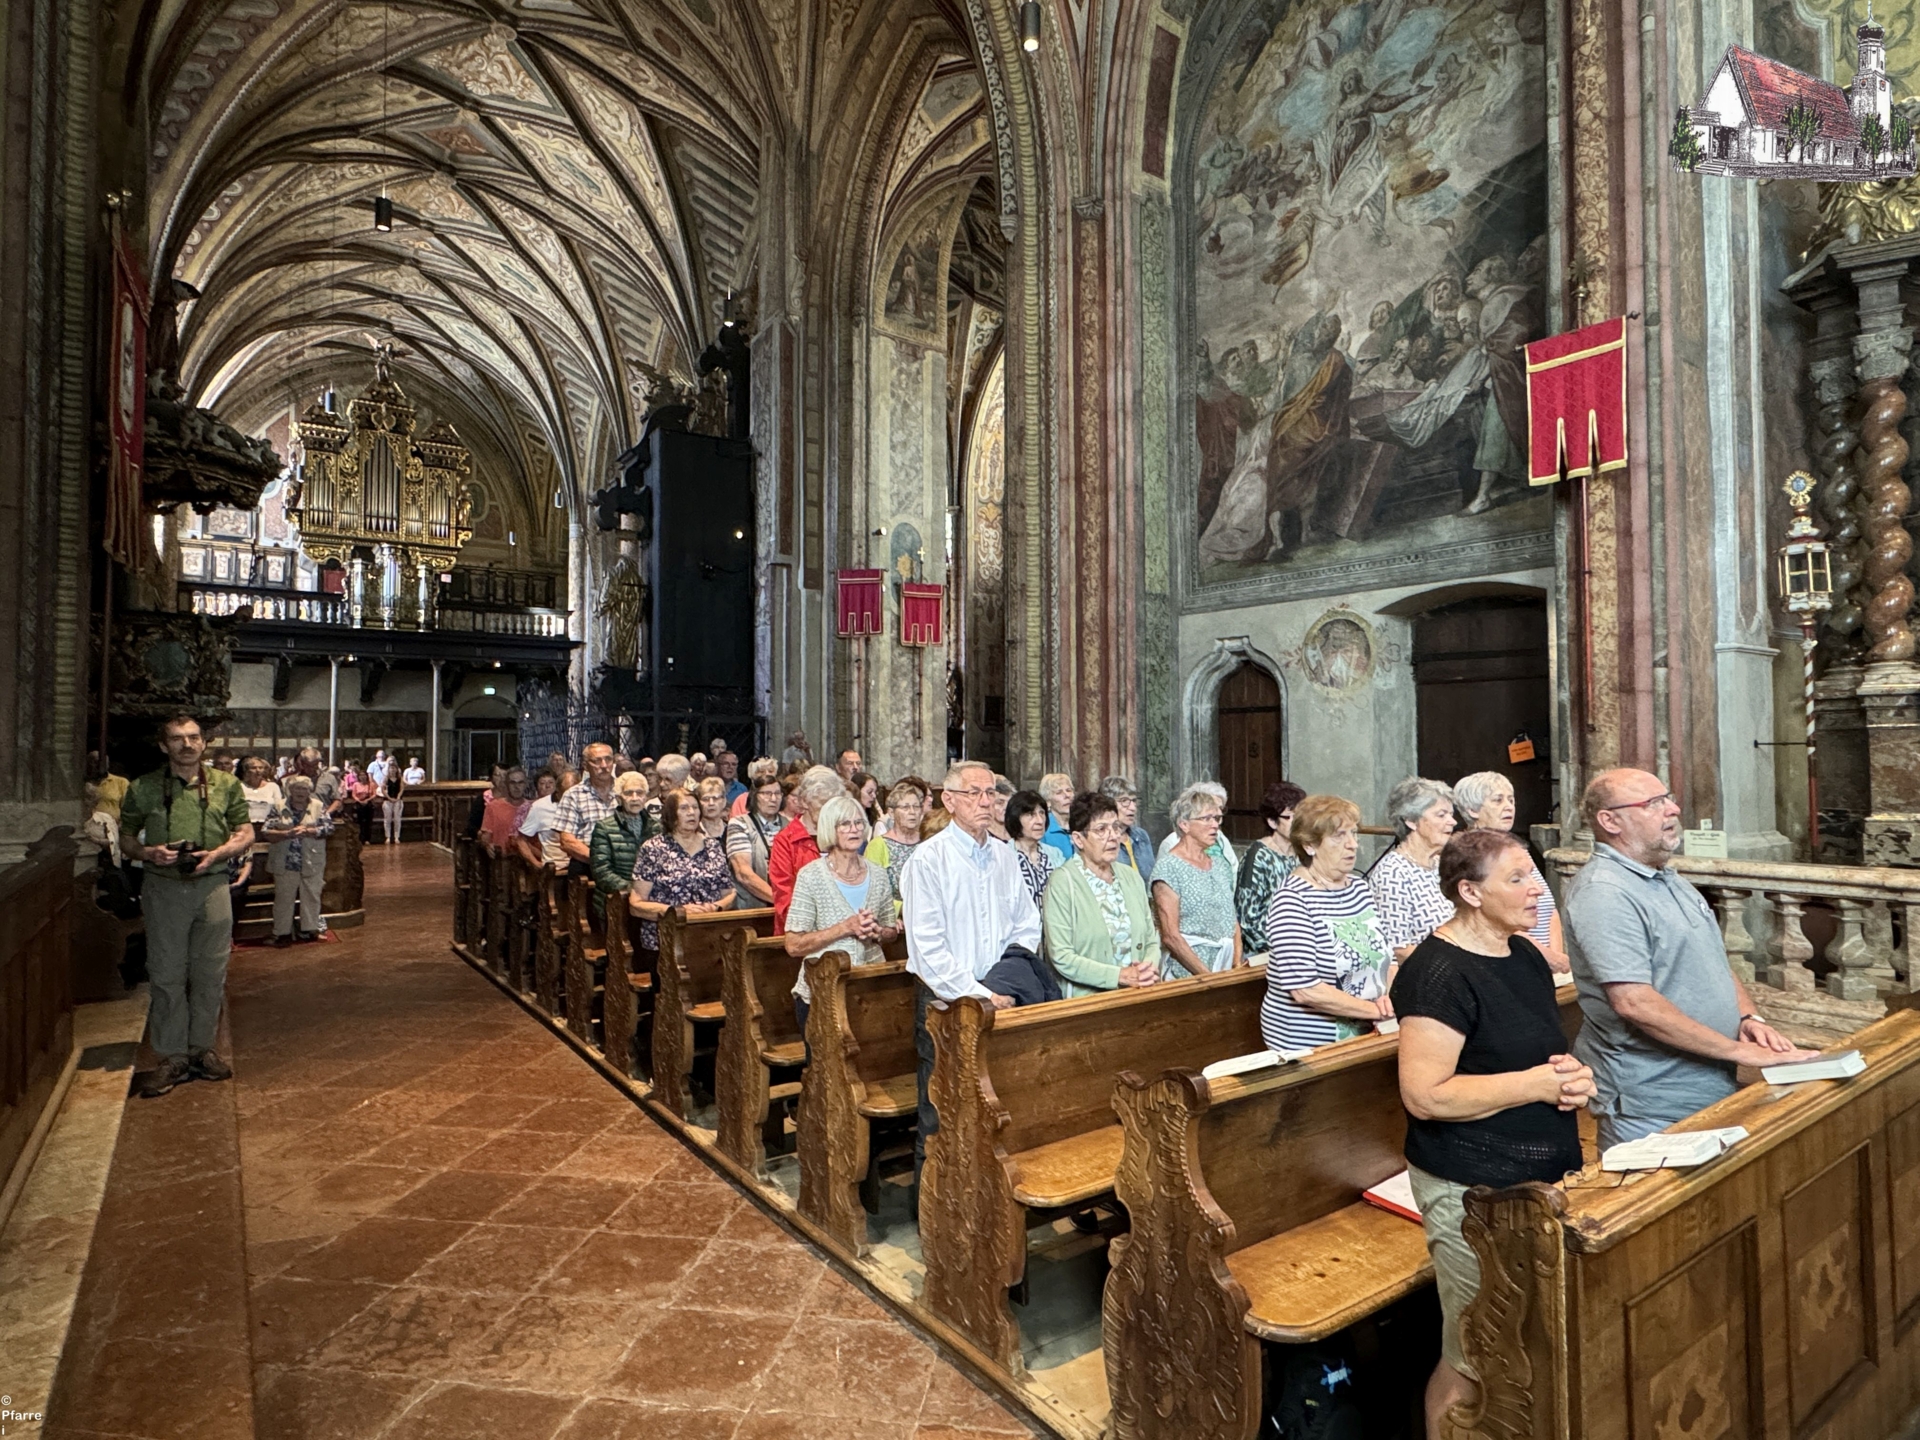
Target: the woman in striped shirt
(1484, 801)
(1327, 963)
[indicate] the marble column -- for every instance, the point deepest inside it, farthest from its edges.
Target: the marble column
(1890, 689)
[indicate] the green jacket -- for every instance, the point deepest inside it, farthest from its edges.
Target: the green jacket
(1075, 930)
(610, 853)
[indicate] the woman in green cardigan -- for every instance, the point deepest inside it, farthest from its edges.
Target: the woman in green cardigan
(617, 839)
(1098, 927)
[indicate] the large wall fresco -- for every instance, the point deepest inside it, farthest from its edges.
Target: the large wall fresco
(1368, 246)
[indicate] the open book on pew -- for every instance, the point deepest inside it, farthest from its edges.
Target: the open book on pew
(1258, 1060)
(1395, 1193)
(1672, 1151)
(1841, 1065)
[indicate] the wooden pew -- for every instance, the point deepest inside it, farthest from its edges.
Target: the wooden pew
(549, 939)
(757, 982)
(586, 955)
(759, 1037)
(523, 883)
(464, 849)
(627, 998)
(687, 991)
(861, 1077)
(478, 896)
(499, 909)
(1771, 1292)
(1246, 1225)
(1025, 1100)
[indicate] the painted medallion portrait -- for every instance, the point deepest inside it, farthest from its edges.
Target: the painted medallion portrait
(1338, 652)
(1369, 246)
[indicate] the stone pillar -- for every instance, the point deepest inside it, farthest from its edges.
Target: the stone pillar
(1845, 790)
(1890, 698)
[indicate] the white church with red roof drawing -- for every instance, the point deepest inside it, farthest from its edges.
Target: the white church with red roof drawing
(1763, 120)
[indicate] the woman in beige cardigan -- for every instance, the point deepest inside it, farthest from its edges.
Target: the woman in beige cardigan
(1098, 927)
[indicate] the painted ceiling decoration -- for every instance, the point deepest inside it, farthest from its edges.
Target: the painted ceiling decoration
(573, 183)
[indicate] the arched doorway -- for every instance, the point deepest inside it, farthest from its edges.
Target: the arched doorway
(1482, 682)
(1250, 735)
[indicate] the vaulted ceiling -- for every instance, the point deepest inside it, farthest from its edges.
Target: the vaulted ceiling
(573, 185)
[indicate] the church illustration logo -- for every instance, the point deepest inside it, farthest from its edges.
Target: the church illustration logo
(1760, 119)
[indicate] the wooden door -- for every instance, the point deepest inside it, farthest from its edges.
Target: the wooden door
(1249, 711)
(1481, 681)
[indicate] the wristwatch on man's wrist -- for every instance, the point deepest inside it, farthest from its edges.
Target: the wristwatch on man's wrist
(1753, 1015)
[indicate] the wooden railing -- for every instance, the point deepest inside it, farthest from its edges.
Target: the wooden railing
(36, 986)
(1764, 907)
(452, 802)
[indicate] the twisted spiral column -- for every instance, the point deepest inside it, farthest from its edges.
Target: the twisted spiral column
(1882, 457)
(1835, 439)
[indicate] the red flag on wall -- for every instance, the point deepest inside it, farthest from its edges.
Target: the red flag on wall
(1577, 402)
(860, 605)
(127, 407)
(920, 607)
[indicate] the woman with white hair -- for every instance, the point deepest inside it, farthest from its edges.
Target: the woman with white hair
(758, 773)
(1221, 848)
(712, 792)
(1193, 890)
(1057, 791)
(843, 896)
(795, 847)
(1484, 801)
(296, 834)
(1406, 880)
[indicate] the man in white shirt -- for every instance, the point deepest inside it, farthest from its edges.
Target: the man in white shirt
(541, 827)
(377, 769)
(972, 927)
(414, 774)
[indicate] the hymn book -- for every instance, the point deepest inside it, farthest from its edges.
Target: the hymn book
(1258, 1060)
(1670, 1150)
(1842, 1065)
(1395, 1193)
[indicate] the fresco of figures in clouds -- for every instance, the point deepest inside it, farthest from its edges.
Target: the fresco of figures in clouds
(1369, 187)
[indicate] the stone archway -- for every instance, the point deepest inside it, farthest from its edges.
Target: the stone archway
(1200, 735)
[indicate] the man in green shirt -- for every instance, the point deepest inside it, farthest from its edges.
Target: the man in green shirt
(194, 819)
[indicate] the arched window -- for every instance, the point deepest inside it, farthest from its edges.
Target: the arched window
(1250, 735)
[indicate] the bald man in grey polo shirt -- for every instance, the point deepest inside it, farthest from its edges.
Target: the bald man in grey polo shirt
(1666, 1019)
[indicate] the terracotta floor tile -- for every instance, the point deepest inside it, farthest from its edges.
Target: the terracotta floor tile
(700, 1358)
(840, 1298)
(632, 1420)
(612, 1155)
(360, 1189)
(851, 1369)
(954, 1400)
(461, 1412)
(292, 1317)
(460, 1195)
(759, 1278)
(672, 1207)
(427, 1147)
(564, 1346)
(383, 1249)
(786, 1426)
(139, 1393)
(508, 1259)
(750, 1222)
(612, 1266)
(328, 1404)
(576, 1117)
(335, 1140)
(522, 1152)
(565, 1200)
(433, 1333)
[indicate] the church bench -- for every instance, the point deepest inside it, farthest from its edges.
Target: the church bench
(626, 1010)
(687, 991)
(761, 1035)
(1246, 1225)
(499, 909)
(859, 1082)
(1025, 1100)
(521, 940)
(549, 939)
(1770, 1292)
(586, 956)
(464, 849)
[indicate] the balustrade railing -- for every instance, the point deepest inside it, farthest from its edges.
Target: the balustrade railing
(548, 623)
(319, 607)
(1874, 910)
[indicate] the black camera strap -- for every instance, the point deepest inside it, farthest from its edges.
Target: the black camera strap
(167, 792)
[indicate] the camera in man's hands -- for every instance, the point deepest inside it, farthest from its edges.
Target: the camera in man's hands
(186, 856)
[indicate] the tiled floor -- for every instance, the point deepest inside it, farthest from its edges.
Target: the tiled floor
(454, 1227)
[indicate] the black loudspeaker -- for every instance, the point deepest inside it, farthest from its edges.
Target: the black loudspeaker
(702, 564)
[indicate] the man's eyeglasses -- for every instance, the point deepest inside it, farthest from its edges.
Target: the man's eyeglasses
(971, 794)
(1648, 804)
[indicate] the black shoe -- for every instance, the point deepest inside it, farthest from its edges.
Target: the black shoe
(208, 1066)
(282, 941)
(159, 1082)
(307, 936)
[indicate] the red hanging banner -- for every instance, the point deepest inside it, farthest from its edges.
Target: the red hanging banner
(127, 410)
(1577, 402)
(860, 603)
(920, 613)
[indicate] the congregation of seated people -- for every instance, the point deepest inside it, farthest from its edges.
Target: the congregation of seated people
(1021, 897)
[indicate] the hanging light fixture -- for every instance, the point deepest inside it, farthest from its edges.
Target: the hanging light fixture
(1030, 25)
(382, 213)
(383, 205)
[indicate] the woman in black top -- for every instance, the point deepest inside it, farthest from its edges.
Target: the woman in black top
(1489, 1090)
